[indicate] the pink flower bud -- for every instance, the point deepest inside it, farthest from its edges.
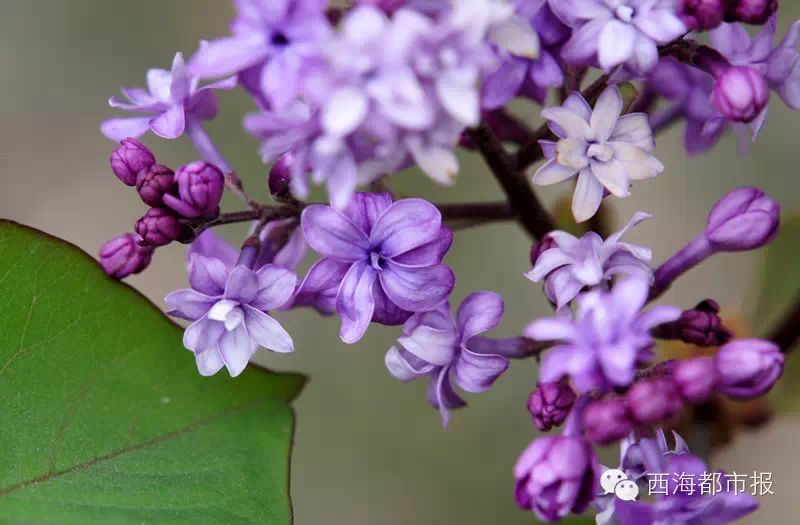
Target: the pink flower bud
(124, 256)
(696, 379)
(744, 219)
(755, 12)
(130, 158)
(606, 421)
(702, 15)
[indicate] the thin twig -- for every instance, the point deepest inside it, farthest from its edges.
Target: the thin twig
(787, 332)
(529, 211)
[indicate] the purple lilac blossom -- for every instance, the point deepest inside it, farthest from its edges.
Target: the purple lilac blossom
(604, 150)
(654, 400)
(228, 306)
(387, 257)
(384, 93)
(125, 255)
(607, 420)
(574, 264)
(172, 102)
(619, 31)
(450, 350)
(154, 183)
(607, 340)
(696, 379)
(747, 368)
(129, 159)
(740, 94)
(700, 326)
(556, 476)
(550, 404)
(159, 227)
(200, 187)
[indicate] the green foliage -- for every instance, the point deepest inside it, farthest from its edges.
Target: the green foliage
(104, 417)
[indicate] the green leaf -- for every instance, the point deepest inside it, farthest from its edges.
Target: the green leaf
(780, 280)
(104, 417)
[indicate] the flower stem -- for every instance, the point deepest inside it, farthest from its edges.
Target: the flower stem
(786, 334)
(687, 257)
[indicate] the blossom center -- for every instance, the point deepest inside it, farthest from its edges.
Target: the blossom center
(601, 152)
(377, 261)
(624, 13)
(279, 39)
(228, 312)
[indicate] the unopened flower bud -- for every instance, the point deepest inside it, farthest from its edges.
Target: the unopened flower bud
(755, 12)
(702, 15)
(744, 219)
(538, 248)
(550, 404)
(159, 227)
(124, 255)
(606, 421)
(700, 326)
(129, 159)
(153, 183)
(695, 379)
(740, 93)
(748, 368)
(200, 188)
(280, 176)
(653, 401)
(556, 476)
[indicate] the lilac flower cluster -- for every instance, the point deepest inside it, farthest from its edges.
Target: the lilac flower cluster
(348, 97)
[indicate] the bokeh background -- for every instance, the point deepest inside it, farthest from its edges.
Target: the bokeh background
(368, 449)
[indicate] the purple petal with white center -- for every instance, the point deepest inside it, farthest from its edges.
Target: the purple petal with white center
(504, 84)
(321, 285)
(266, 331)
(207, 275)
(202, 334)
(417, 289)
(569, 122)
(236, 349)
(588, 196)
(189, 304)
(242, 285)
(480, 312)
(275, 287)
(606, 113)
(209, 362)
(329, 233)
(427, 254)
(354, 301)
(616, 44)
(548, 261)
(405, 225)
(209, 244)
(442, 396)
(364, 209)
(117, 129)
(583, 45)
(476, 372)
(170, 124)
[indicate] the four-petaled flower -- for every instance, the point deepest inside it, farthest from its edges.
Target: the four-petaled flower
(382, 258)
(172, 102)
(574, 264)
(449, 349)
(604, 149)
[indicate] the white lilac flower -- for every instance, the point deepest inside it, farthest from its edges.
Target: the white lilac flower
(574, 264)
(604, 150)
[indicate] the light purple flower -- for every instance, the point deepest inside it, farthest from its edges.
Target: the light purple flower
(270, 43)
(383, 258)
(618, 31)
(228, 306)
(609, 337)
(451, 350)
(603, 149)
(574, 264)
(282, 243)
(171, 102)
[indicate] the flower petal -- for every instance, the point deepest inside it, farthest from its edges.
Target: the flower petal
(606, 113)
(616, 44)
(344, 111)
(202, 334)
(209, 244)
(117, 129)
(331, 234)
(405, 225)
(572, 125)
(386, 312)
(638, 163)
(275, 287)
(236, 349)
(548, 261)
(321, 285)
(417, 289)
(582, 46)
(189, 304)
(242, 285)
(364, 209)
(354, 301)
(660, 25)
(504, 84)
(170, 124)
(587, 197)
(266, 331)
(480, 312)
(207, 275)
(477, 372)
(635, 129)
(427, 254)
(442, 396)
(613, 176)
(400, 368)
(209, 362)
(552, 329)
(552, 172)
(226, 56)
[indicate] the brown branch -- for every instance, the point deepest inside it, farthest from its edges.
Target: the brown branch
(529, 211)
(787, 332)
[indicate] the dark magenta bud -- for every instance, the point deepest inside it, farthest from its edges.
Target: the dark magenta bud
(153, 183)
(538, 248)
(159, 227)
(607, 420)
(129, 159)
(653, 401)
(700, 326)
(756, 12)
(280, 175)
(702, 15)
(200, 187)
(550, 404)
(748, 368)
(740, 93)
(744, 219)
(695, 379)
(124, 256)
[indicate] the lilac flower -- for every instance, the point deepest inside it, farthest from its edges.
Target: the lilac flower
(200, 186)
(747, 368)
(171, 102)
(696, 379)
(387, 257)
(556, 476)
(654, 400)
(607, 420)
(601, 348)
(129, 159)
(270, 44)
(618, 31)
(550, 404)
(369, 108)
(604, 150)
(451, 350)
(700, 326)
(159, 227)
(574, 264)
(228, 305)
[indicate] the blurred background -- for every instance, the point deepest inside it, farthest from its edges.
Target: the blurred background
(369, 449)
